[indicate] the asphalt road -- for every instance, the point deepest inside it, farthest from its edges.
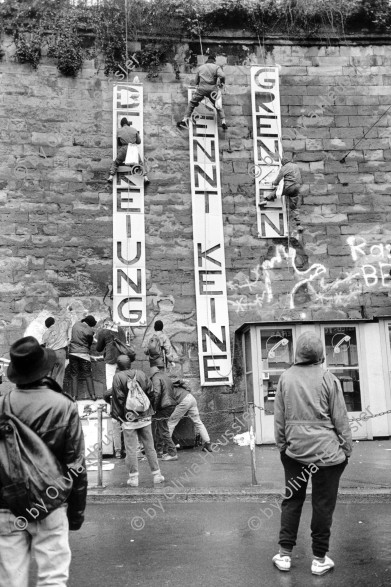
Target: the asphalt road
(212, 545)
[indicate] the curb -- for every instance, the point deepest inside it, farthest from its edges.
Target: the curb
(193, 494)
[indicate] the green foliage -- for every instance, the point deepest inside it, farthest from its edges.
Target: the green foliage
(65, 46)
(71, 24)
(28, 48)
(152, 56)
(378, 12)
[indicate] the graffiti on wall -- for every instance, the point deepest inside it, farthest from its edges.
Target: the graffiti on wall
(369, 268)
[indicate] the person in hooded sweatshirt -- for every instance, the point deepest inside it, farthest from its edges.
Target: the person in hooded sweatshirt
(314, 438)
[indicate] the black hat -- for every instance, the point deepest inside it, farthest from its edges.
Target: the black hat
(29, 361)
(211, 57)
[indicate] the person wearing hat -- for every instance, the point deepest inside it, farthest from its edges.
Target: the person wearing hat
(210, 80)
(39, 403)
(290, 173)
(126, 135)
(135, 427)
(79, 355)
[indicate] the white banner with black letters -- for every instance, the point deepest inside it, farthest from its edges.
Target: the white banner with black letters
(265, 99)
(209, 257)
(129, 288)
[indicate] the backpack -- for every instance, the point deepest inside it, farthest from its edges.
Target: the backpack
(137, 401)
(32, 480)
(154, 347)
(124, 349)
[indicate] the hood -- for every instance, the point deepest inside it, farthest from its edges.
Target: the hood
(309, 349)
(153, 371)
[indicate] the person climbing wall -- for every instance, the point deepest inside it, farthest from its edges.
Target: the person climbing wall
(291, 175)
(126, 135)
(210, 80)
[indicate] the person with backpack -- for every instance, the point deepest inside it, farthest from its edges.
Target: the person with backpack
(164, 406)
(186, 405)
(159, 348)
(79, 355)
(132, 405)
(43, 477)
(314, 438)
(111, 340)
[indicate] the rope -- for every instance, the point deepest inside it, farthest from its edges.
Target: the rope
(242, 409)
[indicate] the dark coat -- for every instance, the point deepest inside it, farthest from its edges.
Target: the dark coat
(81, 338)
(120, 392)
(105, 344)
(163, 389)
(54, 417)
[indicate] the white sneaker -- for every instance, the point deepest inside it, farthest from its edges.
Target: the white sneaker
(283, 563)
(132, 481)
(318, 568)
(157, 478)
(167, 457)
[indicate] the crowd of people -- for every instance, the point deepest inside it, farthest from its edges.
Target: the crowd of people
(42, 443)
(148, 432)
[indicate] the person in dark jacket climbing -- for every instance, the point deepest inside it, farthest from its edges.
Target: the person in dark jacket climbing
(210, 80)
(290, 173)
(39, 403)
(314, 439)
(126, 135)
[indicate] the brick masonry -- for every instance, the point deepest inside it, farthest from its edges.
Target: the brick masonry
(55, 207)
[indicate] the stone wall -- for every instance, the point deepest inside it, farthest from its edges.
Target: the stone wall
(55, 206)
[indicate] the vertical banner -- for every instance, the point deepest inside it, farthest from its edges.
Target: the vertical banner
(129, 288)
(209, 257)
(265, 99)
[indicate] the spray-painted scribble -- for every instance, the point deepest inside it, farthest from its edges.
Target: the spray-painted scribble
(370, 266)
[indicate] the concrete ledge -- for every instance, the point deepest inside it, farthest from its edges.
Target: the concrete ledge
(149, 495)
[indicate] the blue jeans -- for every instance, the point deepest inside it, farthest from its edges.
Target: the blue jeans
(325, 484)
(144, 435)
(45, 540)
(163, 440)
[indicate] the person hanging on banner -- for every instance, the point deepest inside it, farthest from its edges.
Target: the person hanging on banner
(127, 135)
(291, 175)
(210, 81)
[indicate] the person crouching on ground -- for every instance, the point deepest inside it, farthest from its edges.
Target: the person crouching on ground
(314, 438)
(134, 427)
(186, 405)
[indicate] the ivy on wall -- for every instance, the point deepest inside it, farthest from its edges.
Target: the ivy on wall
(72, 30)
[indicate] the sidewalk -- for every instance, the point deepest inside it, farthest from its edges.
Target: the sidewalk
(198, 475)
